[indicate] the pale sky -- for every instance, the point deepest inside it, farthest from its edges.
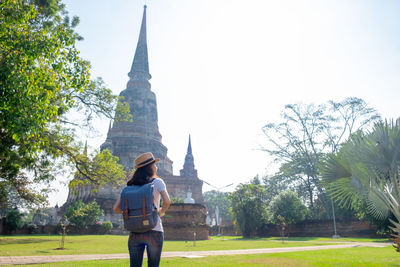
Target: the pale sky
(222, 69)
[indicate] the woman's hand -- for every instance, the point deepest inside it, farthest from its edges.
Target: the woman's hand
(161, 213)
(166, 203)
(117, 206)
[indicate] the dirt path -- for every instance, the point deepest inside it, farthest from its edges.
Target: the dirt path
(168, 254)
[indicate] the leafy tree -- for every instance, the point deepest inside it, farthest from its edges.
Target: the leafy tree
(249, 208)
(286, 208)
(99, 164)
(214, 198)
(306, 134)
(344, 213)
(288, 179)
(81, 215)
(367, 168)
(276, 184)
(273, 184)
(287, 205)
(14, 220)
(42, 80)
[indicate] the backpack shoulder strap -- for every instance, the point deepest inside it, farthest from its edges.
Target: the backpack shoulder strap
(126, 212)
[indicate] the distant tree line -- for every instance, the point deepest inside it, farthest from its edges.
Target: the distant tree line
(321, 152)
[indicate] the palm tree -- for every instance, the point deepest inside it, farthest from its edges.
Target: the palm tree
(367, 166)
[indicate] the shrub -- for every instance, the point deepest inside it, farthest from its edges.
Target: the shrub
(32, 228)
(107, 225)
(287, 206)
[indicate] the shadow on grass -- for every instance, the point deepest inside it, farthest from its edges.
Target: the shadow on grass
(43, 251)
(9, 241)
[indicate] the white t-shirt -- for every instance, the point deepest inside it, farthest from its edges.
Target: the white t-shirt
(159, 186)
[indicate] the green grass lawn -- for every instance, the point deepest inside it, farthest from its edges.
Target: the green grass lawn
(41, 245)
(360, 256)
(108, 244)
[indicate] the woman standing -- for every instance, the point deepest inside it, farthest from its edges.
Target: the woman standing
(146, 172)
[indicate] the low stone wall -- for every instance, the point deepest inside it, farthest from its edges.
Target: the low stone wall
(312, 228)
(186, 222)
(346, 228)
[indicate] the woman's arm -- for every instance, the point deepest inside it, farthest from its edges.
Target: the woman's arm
(166, 203)
(117, 206)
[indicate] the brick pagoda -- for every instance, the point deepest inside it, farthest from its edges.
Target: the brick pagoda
(127, 140)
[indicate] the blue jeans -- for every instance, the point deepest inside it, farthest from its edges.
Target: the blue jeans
(152, 240)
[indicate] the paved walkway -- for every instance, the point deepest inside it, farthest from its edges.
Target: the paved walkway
(168, 254)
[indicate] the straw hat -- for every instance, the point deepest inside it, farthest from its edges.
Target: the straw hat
(145, 159)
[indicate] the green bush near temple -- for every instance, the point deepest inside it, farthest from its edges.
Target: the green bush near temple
(107, 225)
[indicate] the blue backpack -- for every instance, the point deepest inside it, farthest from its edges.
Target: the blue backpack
(139, 212)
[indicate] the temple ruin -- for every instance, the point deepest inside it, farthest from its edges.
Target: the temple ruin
(127, 140)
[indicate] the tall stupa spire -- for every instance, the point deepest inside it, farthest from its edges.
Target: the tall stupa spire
(188, 167)
(189, 149)
(140, 64)
(127, 140)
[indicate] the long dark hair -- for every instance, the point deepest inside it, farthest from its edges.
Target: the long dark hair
(141, 176)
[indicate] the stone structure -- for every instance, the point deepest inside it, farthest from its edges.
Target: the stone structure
(127, 140)
(312, 228)
(186, 222)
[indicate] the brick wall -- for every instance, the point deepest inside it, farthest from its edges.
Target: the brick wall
(350, 228)
(344, 228)
(186, 222)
